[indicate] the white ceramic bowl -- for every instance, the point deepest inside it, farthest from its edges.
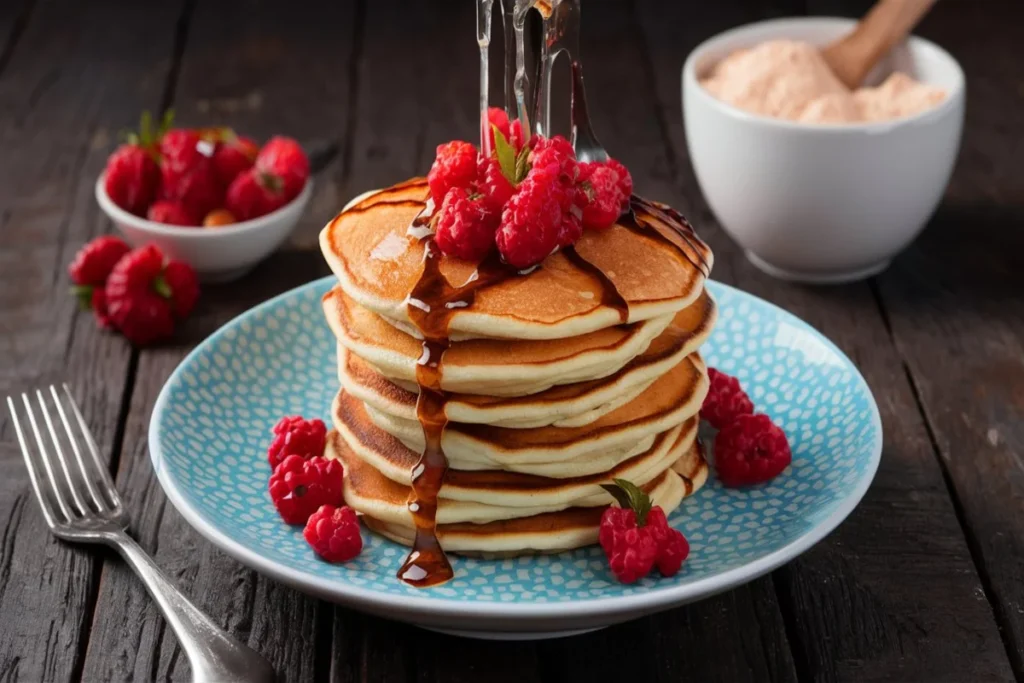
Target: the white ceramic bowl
(822, 203)
(217, 254)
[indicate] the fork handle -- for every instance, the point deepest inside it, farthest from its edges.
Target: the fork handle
(213, 654)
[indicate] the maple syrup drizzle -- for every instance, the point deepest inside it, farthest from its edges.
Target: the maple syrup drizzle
(610, 296)
(668, 223)
(430, 306)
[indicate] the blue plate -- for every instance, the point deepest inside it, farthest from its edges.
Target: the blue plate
(212, 421)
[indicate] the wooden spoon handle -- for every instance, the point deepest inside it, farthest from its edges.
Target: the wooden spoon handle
(886, 24)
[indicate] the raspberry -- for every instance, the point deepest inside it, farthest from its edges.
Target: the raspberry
(750, 450)
(493, 184)
(454, 166)
(725, 401)
(556, 151)
(465, 226)
(625, 179)
(530, 222)
(137, 297)
(333, 532)
(283, 157)
(570, 230)
(299, 486)
(170, 213)
(516, 138)
(605, 199)
(98, 304)
(93, 262)
(255, 193)
(496, 116)
(184, 286)
(631, 550)
(296, 435)
(672, 545)
(233, 155)
(132, 178)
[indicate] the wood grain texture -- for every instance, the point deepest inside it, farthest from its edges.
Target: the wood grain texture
(957, 312)
(76, 75)
(850, 615)
(247, 72)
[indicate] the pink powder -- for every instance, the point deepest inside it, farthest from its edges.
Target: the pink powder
(788, 79)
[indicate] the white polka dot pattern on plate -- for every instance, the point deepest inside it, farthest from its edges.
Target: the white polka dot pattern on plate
(279, 359)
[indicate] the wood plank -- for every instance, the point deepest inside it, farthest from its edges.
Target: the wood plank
(892, 594)
(626, 119)
(263, 68)
(957, 316)
(77, 74)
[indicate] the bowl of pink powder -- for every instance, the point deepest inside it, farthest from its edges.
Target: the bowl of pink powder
(816, 182)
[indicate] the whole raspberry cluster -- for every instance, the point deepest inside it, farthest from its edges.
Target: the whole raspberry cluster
(307, 488)
(749, 448)
(525, 198)
(139, 293)
(636, 536)
(202, 176)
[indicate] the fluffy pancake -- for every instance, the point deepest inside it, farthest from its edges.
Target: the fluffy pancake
(383, 504)
(489, 366)
(378, 263)
(394, 445)
(570, 405)
(488, 495)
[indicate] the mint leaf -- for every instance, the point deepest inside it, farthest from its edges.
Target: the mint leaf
(506, 155)
(618, 494)
(636, 499)
(522, 165)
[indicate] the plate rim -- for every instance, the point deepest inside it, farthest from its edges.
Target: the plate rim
(433, 609)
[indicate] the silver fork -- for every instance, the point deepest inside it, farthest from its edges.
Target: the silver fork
(80, 503)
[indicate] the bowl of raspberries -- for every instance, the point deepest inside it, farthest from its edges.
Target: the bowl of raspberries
(206, 196)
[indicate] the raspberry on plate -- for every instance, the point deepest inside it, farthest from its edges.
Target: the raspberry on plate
(725, 400)
(170, 212)
(605, 199)
(673, 548)
(136, 308)
(454, 166)
(750, 450)
(296, 435)
(465, 225)
(530, 222)
(625, 178)
(255, 193)
(493, 184)
(558, 152)
(333, 532)
(233, 155)
(283, 157)
(635, 536)
(299, 486)
(94, 261)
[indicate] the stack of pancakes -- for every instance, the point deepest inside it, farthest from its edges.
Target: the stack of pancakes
(555, 381)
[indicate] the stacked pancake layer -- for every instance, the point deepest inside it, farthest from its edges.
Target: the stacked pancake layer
(551, 382)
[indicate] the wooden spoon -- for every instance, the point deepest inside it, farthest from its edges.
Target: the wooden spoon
(885, 25)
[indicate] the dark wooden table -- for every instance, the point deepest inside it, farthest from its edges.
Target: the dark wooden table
(924, 582)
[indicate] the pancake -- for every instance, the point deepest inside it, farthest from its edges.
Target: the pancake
(489, 366)
(551, 451)
(488, 495)
(570, 405)
(384, 506)
(658, 265)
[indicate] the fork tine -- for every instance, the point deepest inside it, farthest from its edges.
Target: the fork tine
(97, 498)
(83, 509)
(48, 512)
(54, 488)
(94, 450)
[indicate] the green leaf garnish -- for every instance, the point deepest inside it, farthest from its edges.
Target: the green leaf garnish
(506, 155)
(629, 495)
(522, 165)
